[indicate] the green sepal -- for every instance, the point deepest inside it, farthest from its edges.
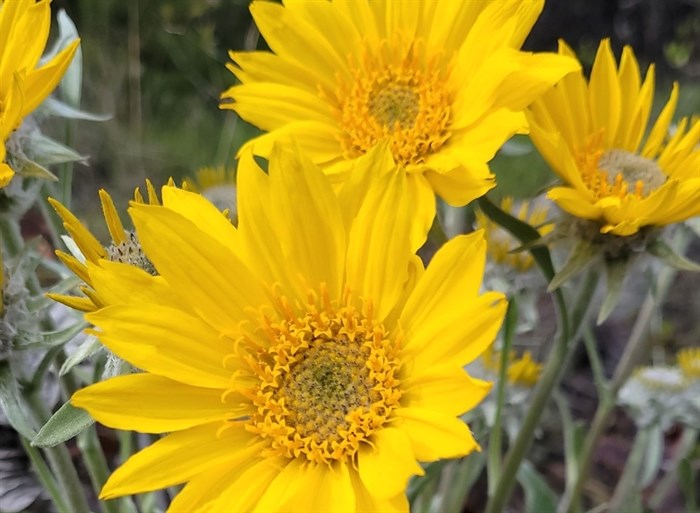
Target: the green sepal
(615, 271)
(63, 425)
(663, 251)
(539, 497)
(10, 401)
(580, 257)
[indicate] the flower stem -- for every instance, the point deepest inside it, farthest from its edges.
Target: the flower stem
(549, 379)
(633, 350)
(44, 475)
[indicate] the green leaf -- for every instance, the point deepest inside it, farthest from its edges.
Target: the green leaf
(615, 271)
(522, 231)
(666, 253)
(72, 81)
(651, 459)
(66, 423)
(58, 108)
(57, 338)
(466, 472)
(580, 257)
(46, 151)
(539, 497)
(32, 169)
(11, 403)
(89, 347)
(574, 434)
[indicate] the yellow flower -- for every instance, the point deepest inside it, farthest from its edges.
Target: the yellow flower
(523, 371)
(301, 362)
(24, 30)
(442, 82)
(591, 135)
(124, 248)
(500, 243)
(689, 362)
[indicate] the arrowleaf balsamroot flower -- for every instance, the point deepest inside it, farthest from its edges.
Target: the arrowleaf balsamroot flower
(85, 247)
(591, 135)
(24, 31)
(444, 83)
(303, 361)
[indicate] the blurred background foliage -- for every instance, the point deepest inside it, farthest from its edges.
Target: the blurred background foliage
(158, 67)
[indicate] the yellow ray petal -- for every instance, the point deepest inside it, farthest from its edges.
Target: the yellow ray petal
(150, 403)
(604, 93)
(114, 224)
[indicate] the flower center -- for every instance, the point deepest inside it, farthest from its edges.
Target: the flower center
(130, 252)
(399, 96)
(618, 172)
(327, 381)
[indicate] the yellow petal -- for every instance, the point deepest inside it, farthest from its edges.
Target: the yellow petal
(169, 343)
(114, 224)
(445, 389)
(574, 202)
(379, 244)
(366, 503)
(308, 219)
(434, 435)
(200, 268)
(452, 278)
(604, 93)
(6, 172)
(320, 489)
(459, 334)
(179, 457)
(386, 467)
(660, 130)
(150, 404)
(243, 493)
(86, 241)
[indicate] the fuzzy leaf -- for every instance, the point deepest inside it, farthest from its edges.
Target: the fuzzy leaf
(89, 347)
(46, 151)
(651, 461)
(33, 169)
(615, 271)
(66, 423)
(58, 108)
(57, 338)
(11, 403)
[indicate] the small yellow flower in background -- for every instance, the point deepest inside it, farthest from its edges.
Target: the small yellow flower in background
(217, 184)
(591, 135)
(523, 371)
(302, 361)
(84, 247)
(444, 83)
(24, 31)
(689, 362)
(501, 243)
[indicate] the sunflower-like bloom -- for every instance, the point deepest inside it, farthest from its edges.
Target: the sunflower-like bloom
(301, 362)
(522, 371)
(24, 31)
(591, 135)
(85, 247)
(444, 83)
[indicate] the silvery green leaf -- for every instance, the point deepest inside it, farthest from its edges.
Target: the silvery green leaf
(46, 151)
(58, 108)
(72, 81)
(615, 271)
(651, 460)
(57, 338)
(85, 350)
(10, 402)
(73, 248)
(513, 148)
(66, 423)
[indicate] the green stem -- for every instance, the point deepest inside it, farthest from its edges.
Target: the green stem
(634, 348)
(51, 218)
(495, 445)
(96, 464)
(45, 477)
(627, 486)
(548, 381)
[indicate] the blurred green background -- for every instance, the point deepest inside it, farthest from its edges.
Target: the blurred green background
(158, 67)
